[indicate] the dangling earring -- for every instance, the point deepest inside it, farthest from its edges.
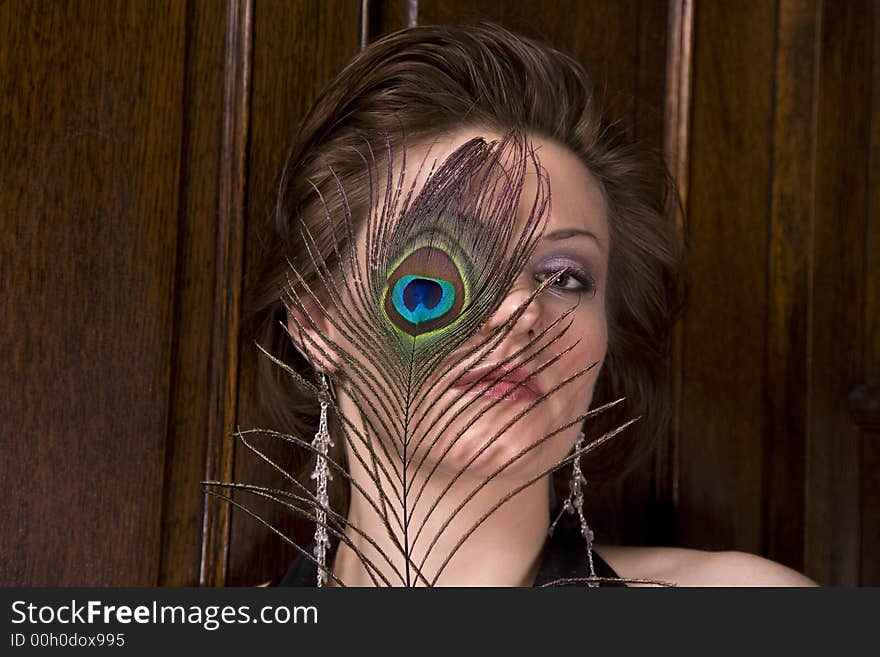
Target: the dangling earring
(575, 502)
(321, 473)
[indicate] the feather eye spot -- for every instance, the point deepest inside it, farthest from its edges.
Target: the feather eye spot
(421, 299)
(425, 293)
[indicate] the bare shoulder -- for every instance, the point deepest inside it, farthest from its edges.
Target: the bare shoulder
(686, 567)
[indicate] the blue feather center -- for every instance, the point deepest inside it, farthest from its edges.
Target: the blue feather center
(421, 299)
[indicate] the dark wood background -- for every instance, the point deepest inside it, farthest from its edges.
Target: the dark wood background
(142, 140)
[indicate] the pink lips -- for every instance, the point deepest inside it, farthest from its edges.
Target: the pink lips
(516, 385)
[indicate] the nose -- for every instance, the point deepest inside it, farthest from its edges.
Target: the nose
(514, 306)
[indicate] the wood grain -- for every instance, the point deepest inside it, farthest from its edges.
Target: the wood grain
(194, 306)
(603, 36)
(870, 555)
(90, 134)
(386, 16)
(724, 332)
(297, 48)
(791, 225)
(833, 515)
(649, 503)
(223, 378)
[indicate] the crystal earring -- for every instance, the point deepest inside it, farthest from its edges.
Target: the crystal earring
(575, 503)
(321, 474)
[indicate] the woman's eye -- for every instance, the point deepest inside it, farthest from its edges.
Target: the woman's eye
(568, 281)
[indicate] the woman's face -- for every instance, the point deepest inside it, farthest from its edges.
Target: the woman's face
(575, 238)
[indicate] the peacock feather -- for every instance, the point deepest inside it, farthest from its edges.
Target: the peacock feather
(399, 298)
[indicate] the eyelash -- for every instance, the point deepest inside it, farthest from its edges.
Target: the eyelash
(585, 280)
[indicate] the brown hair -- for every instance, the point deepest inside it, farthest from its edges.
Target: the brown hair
(432, 79)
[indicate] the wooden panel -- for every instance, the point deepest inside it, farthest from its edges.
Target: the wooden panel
(870, 535)
(658, 527)
(870, 575)
(386, 16)
(296, 50)
(649, 88)
(773, 340)
(229, 254)
(722, 423)
(833, 473)
(644, 501)
(791, 221)
(603, 36)
(89, 109)
(188, 429)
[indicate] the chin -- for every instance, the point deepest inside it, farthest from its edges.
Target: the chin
(469, 453)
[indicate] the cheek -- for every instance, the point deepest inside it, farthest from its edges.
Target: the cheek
(591, 334)
(590, 330)
(596, 334)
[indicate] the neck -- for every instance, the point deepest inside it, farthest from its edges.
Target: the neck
(450, 544)
(504, 550)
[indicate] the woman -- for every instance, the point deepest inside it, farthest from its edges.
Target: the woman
(473, 258)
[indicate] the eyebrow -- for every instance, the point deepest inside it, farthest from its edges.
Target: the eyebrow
(563, 234)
